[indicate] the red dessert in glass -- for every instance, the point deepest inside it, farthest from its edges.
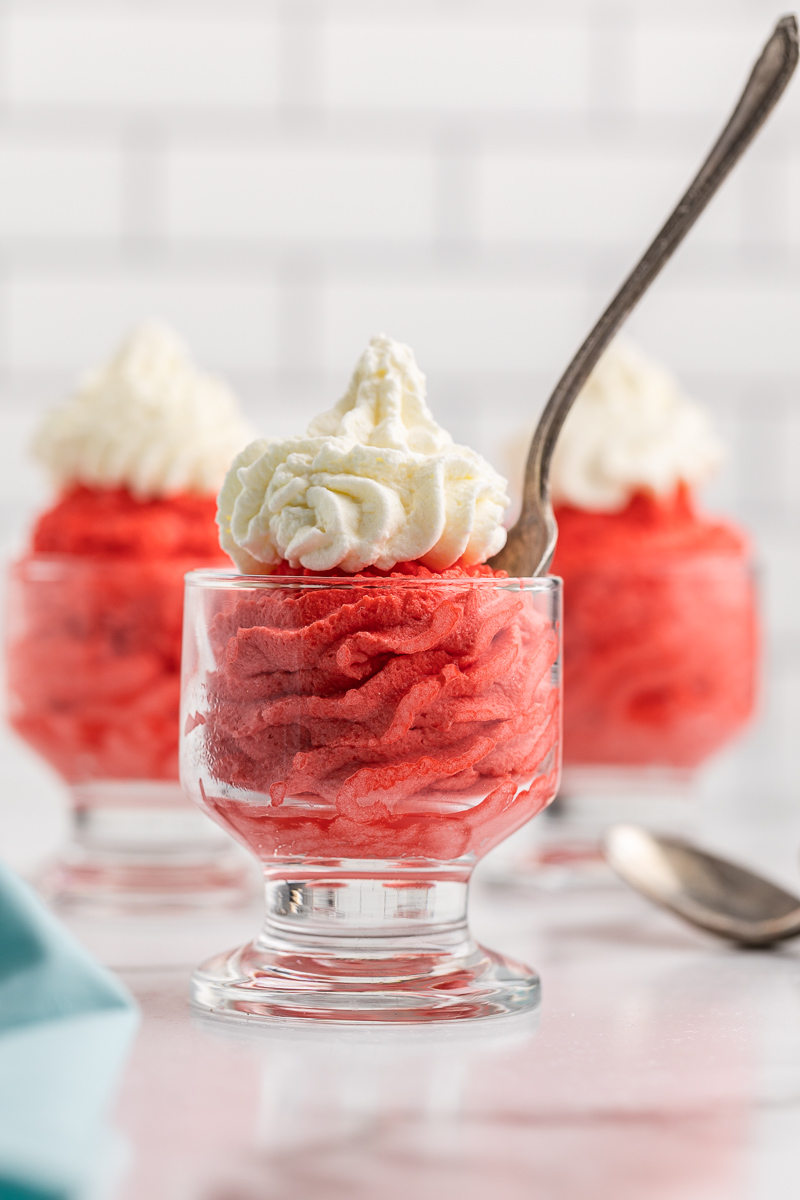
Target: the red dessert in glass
(358, 719)
(95, 619)
(660, 628)
(95, 638)
(369, 738)
(93, 673)
(660, 641)
(369, 707)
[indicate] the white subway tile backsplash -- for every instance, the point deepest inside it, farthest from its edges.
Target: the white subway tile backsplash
(780, 580)
(456, 325)
(789, 457)
(300, 192)
(792, 200)
(595, 195)
(692, 65)
(761, 453)
(458, 65)
(727, 327)
(140, 59)
(781, 763)
(68, 322)
(52, 189)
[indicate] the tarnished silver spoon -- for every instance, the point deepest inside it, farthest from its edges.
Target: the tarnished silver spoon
(710, 892)
(532, 540)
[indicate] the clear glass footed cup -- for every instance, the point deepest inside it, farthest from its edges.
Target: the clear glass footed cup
(368, 740)
(93, 677)
(660, 673)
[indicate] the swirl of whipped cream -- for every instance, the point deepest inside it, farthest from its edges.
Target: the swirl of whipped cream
(148, 421)
(374, 482)
(630, 430)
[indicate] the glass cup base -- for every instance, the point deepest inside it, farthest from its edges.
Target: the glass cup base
(252, 983)
(143, 846)
(383, 949)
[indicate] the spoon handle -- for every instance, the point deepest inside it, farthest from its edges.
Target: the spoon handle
(769, 77)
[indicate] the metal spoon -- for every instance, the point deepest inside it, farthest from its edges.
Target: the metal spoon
(532, 540)
(710, 892)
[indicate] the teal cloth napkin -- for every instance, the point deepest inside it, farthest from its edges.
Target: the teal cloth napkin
(66, 1025)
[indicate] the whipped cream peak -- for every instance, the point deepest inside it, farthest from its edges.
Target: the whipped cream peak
(148, 421)
(385, 404)
(631, 429)
(375, 481)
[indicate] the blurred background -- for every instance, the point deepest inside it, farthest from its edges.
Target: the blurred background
(279, 179)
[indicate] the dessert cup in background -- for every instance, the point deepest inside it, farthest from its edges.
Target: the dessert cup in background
(660, 625)
(373, 716)
(654, 690)
(93, 671)
(369, 739)
(660, 652)
(94, 621)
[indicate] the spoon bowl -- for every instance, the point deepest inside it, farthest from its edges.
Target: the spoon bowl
(707, 891)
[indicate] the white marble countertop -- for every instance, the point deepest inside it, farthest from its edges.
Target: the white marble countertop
(665, 1066)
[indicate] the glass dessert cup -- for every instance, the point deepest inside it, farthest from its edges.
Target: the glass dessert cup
(93, 677)
(369, 739)
(660, 673)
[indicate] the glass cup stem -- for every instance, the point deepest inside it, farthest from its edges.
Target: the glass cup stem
(352, 913)
(386, 941)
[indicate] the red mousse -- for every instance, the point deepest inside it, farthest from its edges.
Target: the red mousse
(660, 639)
(95, 645)
(114, 523)
(418, 718)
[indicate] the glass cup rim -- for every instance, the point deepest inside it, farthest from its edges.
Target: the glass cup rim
(224, 580)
